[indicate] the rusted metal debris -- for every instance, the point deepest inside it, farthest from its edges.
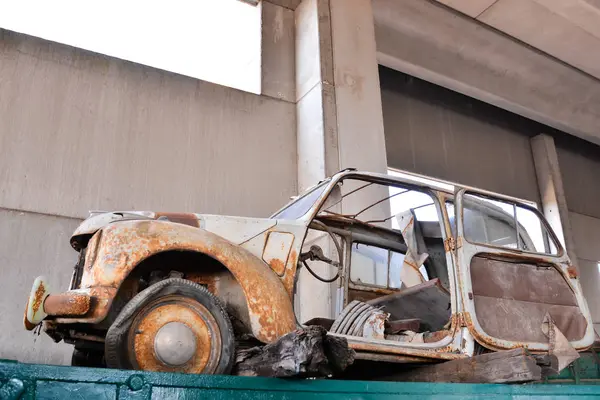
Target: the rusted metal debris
(303, 353)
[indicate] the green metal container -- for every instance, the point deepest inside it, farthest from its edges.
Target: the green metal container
(29, 381)
(584, 370)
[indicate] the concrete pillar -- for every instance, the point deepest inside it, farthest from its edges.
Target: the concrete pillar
(357, 91)
(277, 52)
(554, 203)
(338, 109)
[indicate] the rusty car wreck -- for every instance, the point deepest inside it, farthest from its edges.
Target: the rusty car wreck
(424, 272)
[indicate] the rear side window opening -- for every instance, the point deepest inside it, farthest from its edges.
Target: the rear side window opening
(506, 224)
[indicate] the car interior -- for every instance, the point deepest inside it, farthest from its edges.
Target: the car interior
(395, 265)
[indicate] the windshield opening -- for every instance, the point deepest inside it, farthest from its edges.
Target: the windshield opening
(299, 207)
(378, 203)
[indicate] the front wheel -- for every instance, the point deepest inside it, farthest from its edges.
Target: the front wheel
(173, 326)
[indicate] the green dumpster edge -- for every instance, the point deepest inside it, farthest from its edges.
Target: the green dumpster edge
(34, 381)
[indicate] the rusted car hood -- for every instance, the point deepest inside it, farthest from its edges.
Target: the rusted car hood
(235, 229)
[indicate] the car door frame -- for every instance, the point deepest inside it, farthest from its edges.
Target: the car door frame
(466, 250)
(456, 342)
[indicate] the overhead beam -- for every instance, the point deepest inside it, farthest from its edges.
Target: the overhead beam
(431, 42)
(291, 4)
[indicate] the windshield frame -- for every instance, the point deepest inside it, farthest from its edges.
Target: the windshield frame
(323, 184)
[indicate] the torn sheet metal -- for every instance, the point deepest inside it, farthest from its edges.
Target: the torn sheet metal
(410, 274)
(559, 345)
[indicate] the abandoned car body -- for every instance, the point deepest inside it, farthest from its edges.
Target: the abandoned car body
(423, 271)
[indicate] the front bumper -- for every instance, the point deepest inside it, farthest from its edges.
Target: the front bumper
(42, 304)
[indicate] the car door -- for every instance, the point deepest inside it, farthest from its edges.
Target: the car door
(514, 275)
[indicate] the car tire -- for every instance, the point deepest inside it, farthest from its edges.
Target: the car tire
(174, 325)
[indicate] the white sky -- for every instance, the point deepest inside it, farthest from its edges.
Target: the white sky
(213, 40)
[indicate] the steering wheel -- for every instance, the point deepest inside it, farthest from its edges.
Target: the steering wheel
(316, 253)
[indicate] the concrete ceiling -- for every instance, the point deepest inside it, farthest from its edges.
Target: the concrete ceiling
(291, 4)
(568, 30)
(543, 65)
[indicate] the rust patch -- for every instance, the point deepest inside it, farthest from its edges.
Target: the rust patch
(277, 265)
(180, 218)
(208, 280)
(64, 304)
(449, 244)
(38, 298)
(182, 310)
(572, 271)
(433, 337)
(290, 273)
(100, 300)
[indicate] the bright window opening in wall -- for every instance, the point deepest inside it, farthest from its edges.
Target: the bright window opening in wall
(213, 40)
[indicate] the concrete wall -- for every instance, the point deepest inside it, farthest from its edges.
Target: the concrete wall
(81, 131)
(434, 131)
(579, 163)
(31, 245)
(586, 231)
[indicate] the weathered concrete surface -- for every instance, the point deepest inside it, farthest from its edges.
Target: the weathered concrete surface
(278, 69)
(429, 41)
(580, 163)
(586, 231)
(82, 131)
(469, 7)
(434, 131)
(290, 4)
(357, 91)
(32, 245)
(551, 188)
(567, 30)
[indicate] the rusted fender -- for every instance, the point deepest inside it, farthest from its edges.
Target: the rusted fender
(117, 249)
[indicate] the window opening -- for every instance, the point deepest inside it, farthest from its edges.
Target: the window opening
(505, 224)
(217, 41)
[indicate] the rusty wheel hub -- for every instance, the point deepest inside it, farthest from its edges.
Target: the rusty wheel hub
(174, 344)
(175, 334)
